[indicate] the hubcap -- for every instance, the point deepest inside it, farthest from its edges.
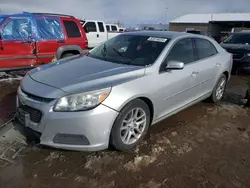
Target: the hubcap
(220, 89)
(133, 126)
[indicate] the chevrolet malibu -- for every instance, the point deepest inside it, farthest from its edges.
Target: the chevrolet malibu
(113, 94)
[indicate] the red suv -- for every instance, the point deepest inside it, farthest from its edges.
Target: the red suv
(32, 39)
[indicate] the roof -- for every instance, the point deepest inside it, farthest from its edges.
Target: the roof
(34, 13)
(206, 18)
(86, 20)
(161, 34)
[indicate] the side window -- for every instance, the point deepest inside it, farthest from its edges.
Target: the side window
(72, 29)
(204, 48)
(90, 27)
(101, 26)
(49, 28)
(17, 29)
(182, 51)
(113, 28)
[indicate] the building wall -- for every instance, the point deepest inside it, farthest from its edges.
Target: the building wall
(183, 26)
(155, 26)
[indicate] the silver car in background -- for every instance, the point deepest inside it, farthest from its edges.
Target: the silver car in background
(113, 94)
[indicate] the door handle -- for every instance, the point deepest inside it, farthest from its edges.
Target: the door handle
(26, 42)
(60, 41)
(97, 35)
(218, 64)
(194, 74)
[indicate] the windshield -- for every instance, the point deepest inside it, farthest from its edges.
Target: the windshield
(238, 39)
(130, 49)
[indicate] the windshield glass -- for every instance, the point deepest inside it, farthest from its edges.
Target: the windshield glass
(238, 39)
(130, 49)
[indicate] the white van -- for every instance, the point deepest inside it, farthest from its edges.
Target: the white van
(98, 32)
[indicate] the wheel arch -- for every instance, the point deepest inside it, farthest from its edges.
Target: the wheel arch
(146, 100)
(226, 73)
(74, 49)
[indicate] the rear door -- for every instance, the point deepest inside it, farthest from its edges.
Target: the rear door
(17, 45)
(50, 37)
(92, 32)
(208, 66)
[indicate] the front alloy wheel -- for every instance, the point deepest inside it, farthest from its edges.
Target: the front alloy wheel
(130, 126)
(133, 125)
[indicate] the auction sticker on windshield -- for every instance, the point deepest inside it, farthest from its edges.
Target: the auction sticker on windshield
(155, 39)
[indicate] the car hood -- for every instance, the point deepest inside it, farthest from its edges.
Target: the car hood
(83, 73)
(236, 47)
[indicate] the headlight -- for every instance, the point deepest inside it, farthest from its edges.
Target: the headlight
(248, 54)
(81, 101)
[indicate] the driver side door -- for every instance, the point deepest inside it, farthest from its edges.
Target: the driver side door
(178, 88)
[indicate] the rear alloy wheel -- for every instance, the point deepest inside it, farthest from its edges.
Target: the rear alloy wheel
(219, 89)
(130, 126)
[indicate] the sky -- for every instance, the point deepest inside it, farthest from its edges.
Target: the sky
(129, 12)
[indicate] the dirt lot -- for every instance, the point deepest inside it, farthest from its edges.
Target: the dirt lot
(205, 146)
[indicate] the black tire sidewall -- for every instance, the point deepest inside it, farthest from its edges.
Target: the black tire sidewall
(214, 98)
(115, 138)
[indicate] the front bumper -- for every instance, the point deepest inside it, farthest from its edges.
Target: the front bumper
(82, 131)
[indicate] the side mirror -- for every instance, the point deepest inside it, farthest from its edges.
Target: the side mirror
(174, 65)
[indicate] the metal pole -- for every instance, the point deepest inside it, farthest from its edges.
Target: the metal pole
(166, 15)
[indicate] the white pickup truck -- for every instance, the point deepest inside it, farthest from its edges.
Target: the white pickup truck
(98, 32)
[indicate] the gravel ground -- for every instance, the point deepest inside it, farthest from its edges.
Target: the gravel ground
(205, 146)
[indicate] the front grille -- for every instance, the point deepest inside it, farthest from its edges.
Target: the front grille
(35, 115)
(37, 98)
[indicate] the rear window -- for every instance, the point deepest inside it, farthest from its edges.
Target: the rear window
(72, 29)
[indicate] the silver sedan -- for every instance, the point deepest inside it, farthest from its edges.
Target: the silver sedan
(113, 94)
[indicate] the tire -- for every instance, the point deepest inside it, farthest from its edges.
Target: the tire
(66, 55)
(216, 97)
(130, 126)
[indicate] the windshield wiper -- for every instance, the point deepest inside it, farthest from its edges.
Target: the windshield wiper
(120, 54)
